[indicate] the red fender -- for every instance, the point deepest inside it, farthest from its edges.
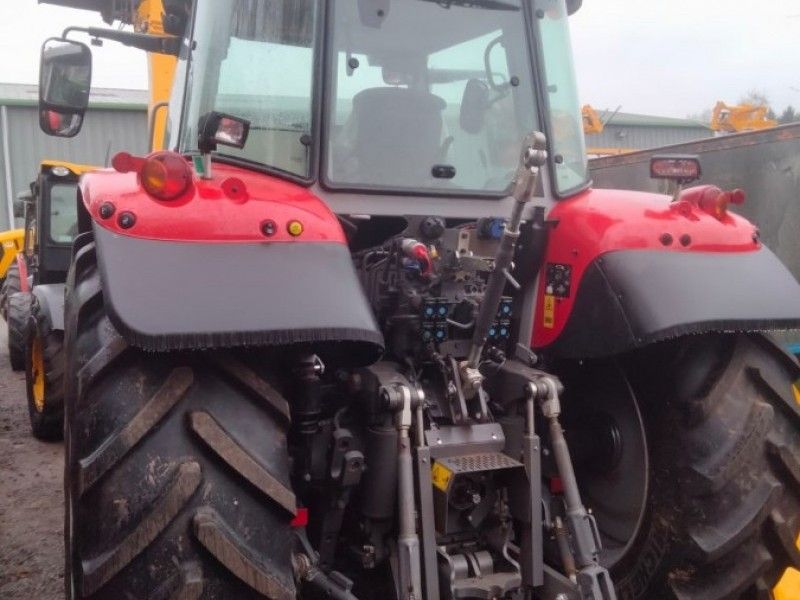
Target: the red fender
(236, 205)
(596, 222)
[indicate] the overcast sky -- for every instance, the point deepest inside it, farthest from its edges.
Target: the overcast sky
(663, 57)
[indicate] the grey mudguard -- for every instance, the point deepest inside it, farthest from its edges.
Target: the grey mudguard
(631, 298)
(51, 300)
(165, 295)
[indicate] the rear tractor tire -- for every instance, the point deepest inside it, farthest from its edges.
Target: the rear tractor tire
(9, 287)
(720, 483)
(177, 473)
(44, 375)
(19, 310)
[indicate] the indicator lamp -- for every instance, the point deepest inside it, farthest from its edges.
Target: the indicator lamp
(294, 228)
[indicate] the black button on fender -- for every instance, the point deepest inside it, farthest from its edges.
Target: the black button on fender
(107, 210)
(126, 220)
(269, 228)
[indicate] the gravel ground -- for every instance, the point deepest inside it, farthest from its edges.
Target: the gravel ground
(31, 498)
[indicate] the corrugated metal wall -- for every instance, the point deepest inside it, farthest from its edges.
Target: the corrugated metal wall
(104, 132)
(643, 137)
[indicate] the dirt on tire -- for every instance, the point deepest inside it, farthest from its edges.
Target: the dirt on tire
(31, 497)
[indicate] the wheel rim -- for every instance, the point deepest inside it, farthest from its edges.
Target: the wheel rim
(37, 373)
(605, 427)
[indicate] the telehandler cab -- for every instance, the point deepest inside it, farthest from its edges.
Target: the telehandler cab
(359, 333)
(35, 293)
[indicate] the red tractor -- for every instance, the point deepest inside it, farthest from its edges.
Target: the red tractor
(359, 334)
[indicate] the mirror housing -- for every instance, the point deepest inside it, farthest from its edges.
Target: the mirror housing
(22, 199)
(65, 79)
(219, 128)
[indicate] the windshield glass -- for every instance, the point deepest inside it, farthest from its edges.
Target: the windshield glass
(63, 212)
(255, 59)
(566, 125)
(427, 94)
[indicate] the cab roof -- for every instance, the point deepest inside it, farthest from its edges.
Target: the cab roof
(74, 168)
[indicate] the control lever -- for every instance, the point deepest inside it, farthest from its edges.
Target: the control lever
(533, 156)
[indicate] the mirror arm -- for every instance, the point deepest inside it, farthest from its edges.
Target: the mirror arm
(143, 41)
(151, 125)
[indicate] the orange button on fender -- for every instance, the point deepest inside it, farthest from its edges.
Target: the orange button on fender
(294, 228)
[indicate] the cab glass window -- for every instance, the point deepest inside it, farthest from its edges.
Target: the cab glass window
(63, 213)
(255, 59)
(429, 96)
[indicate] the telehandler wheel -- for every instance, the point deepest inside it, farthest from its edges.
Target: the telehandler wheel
(177, 475)
(718, 486)
(19, 310)
(44, 375)
(9, 287)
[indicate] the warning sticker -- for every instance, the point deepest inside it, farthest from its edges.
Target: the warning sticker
(549, 319)
(441, 476)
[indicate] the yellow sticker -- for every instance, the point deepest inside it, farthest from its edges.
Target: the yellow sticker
(441, 476)
(796, 390)
(549, 311)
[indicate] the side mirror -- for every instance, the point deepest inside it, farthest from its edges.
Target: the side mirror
(680, 168)
(20, 201)
(219, 128)
(65, 78)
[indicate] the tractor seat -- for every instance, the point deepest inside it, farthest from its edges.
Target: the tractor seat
(397, 135)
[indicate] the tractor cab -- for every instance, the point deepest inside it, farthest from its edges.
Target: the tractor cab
(373, 97)
(418, 98)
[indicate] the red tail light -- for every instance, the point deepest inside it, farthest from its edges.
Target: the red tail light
(164, 175)
(678, 167)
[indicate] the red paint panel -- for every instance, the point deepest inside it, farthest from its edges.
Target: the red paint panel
(228, 208)
(596, 222)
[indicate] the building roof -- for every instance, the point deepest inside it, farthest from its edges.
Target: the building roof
(26, 94)
(622, 119)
